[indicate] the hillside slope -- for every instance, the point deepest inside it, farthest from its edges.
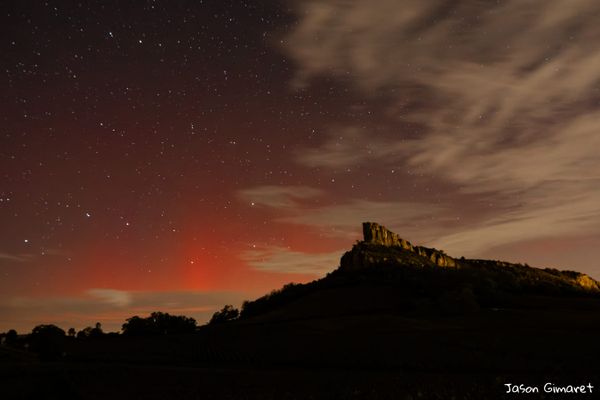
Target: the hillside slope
(386, 273)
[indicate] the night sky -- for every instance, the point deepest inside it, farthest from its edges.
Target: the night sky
(181, 155)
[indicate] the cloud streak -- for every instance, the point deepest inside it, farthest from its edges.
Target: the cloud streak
(278, 196)
(345, 219)
(285, 260)
(117, 298)
(16, 257)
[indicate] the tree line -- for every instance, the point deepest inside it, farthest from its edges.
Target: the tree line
(48, 340)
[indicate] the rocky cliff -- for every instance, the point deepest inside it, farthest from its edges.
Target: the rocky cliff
(380, 246)
(385, 273)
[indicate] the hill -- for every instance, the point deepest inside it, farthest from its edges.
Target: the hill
(407, 278)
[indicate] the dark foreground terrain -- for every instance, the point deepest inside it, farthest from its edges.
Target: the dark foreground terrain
(163, 382)
(371, 356)
(393, 322)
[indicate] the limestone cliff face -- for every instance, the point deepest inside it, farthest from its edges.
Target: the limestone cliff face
(381, 245)
(376, 234)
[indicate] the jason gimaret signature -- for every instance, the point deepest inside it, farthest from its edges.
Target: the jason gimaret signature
(549, 387)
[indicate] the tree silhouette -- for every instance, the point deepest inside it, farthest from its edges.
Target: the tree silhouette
(47, 330)
(89, 332)
(84, 333)
(48, 341)
(11, 337)
(159, 323)
(227, 313)
(8, 338)
(71, 332)
(97, 330)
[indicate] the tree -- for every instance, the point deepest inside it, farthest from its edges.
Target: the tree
(48, 341)
(97, 330)
(136, 326)
(47, 330)
(89, 332)
(84, 333)
(11, 337)
(227, 313)
(71, 332)
(159, 323)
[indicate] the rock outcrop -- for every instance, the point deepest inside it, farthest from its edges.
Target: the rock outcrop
(381, 245)
(374, 233)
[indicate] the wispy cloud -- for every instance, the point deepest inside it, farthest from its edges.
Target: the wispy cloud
(506, 94)
(21, 257)
(118, 298)
(27, 257)
(563, 215)
(414, 219)
(285, 260)
(344, 219)
(278, 196)
(349, 146)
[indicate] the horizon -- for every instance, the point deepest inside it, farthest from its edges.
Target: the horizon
(202, 315)
(160, 157)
